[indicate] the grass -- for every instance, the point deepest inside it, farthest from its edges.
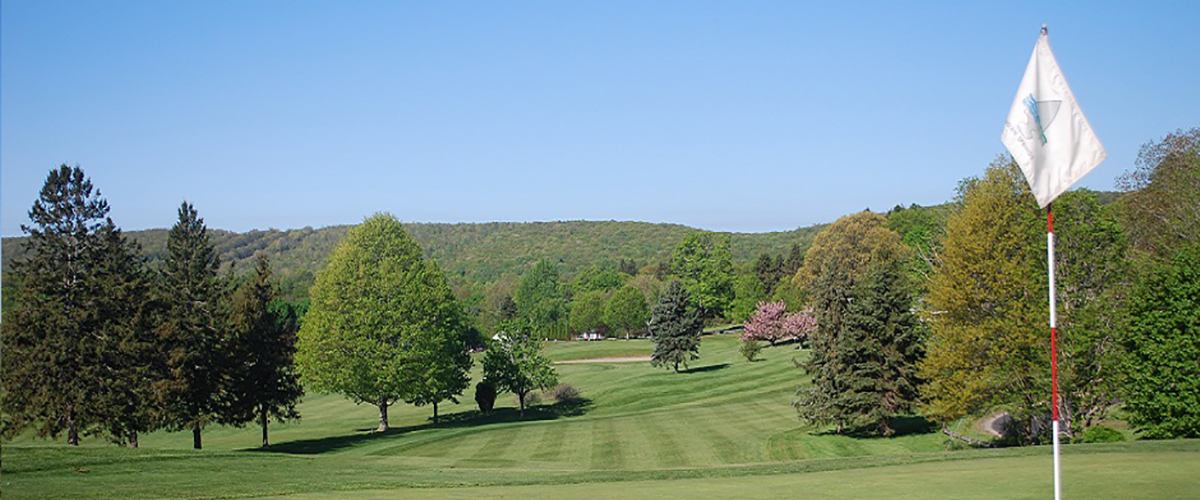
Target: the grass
(723, 429)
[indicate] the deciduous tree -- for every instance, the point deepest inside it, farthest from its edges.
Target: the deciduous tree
(626, 310)
(514, 363)
(704, 265)
(371, 306)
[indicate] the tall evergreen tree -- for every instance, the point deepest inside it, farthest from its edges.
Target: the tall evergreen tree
(132, 360)
(193, 296)
(675, 326)
(260, 351)
(878, 347)
(51, 374)
(839, 260)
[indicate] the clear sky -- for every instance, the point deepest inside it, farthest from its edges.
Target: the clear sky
(735, 116)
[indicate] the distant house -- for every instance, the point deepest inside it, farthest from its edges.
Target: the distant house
(589, 336)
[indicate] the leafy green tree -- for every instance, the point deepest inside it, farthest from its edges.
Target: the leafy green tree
(878, 345)
(193, 295)
(675, 326)
(1162, 377)
(850, 247)
(748, 292)
(442, 364)
(626, 310)
(1093, 282)
(987, 341)
(598, 278)
(1161, 208)
(704, 264)
(540, 299)
(587, 311)
(515, 364)
(371, 307)
(261, 350)
(60, 338)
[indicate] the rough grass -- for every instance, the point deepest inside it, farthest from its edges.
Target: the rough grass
(723, 429)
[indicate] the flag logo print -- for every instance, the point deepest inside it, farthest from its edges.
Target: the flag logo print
(1037, 110)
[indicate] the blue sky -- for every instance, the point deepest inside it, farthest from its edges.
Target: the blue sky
(733, 116)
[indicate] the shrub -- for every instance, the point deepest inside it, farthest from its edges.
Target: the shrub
(750, 349)
(485, 396)
(532, 399)
(565, 393)
(1101, 434)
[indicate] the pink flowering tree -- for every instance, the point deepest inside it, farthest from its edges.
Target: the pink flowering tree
(770, 323)
(799, 325)
(766, 323)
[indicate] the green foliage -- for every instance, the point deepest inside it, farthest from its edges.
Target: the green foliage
(515, 364)
(376, 309)
(750, 349)
(704, 265)
(74, 338)
(748, 292)
(260, 350)
(1162, 377)
(194, 297)
(587, 311)
(485, 396)
(1101, 434)
(987, 297)
(864, 366)
(921, 229)
(1092, 278)
(675, 326)
(1161, 209)
(849, 248)
(626, 311)
(540, 300)
(598, 278)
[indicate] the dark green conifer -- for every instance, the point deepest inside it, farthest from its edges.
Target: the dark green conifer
(260, 351)
(675, 326)
(193, 296)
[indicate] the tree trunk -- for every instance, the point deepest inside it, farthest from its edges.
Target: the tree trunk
(196, 436)
(435, 415)
(383, 418)
(521, 400)
(133, 439)
(72, 429)
(263, 421)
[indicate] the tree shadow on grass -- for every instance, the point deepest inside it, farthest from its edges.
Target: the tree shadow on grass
(903, 426)
(469, 418)
(709, 368)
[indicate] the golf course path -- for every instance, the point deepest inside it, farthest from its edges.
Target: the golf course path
(631, 359)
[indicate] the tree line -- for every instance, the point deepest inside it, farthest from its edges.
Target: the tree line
(95, 343)
(942, 311)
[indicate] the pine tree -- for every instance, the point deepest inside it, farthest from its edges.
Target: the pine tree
(123, 287)
(675, 326)
(51, 374)
(839, 260)
(193, 296)
(879, 346)
(261, 347)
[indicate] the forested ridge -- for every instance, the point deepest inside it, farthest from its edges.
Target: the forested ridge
(475, 253)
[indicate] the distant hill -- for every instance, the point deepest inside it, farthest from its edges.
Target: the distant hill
(472, 253)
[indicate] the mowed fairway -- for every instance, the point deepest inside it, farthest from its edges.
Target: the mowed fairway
(724, 429)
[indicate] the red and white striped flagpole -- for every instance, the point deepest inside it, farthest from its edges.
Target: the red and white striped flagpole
(1053, 346)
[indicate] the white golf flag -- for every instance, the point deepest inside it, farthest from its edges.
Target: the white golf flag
(1046, 131)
